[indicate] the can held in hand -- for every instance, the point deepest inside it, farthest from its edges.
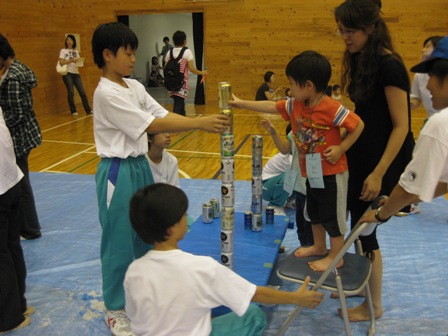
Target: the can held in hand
(269, 215)
(228, 218)
(226, 240)
(256, 204)
(227, 195)
(227, 170)
(247, 220)
(216, 208)
(207, 213)
(228, 112)
(227, 149)
(224, 95)
(227, 259)
(257, 222)
(257, 185)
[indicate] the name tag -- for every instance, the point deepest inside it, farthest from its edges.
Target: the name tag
(290, 180)
(314, 171)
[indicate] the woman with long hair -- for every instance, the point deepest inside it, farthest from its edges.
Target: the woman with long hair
(376, 80)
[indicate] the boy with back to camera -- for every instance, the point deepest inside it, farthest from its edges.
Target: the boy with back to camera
(124, 114)
(171, 292)
(316, 121)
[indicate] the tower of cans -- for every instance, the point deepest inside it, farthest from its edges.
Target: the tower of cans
(227, 177)
(257, 187)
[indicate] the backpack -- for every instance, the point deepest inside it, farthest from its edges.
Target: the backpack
(174, 78)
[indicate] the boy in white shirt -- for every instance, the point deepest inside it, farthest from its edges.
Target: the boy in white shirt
(124, 113)
(163, 164)
(171, 292)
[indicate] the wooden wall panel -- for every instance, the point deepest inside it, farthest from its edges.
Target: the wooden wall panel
(243, 38)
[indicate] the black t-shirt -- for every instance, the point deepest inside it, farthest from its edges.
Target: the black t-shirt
(260, 95)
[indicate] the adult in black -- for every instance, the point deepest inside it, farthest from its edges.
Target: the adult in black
(266, 90)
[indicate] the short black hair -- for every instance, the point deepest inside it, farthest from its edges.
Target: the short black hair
(156, 208)
(6, 51)
(336, 87)
(166, 38)
(112, 36)
(438, 68)
(310, 66)
(179, 37)
(73, 38)
(268, 75)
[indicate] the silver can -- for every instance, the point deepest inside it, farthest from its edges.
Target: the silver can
(228, 112)
(227, 240)
(224, 94)
(227, 149)
(216, 208)
(228, 218)
(207, 213)
(257, 146)
(257, 166)
(227, 259)
(257, 222)
(257, 185)
(227, 170)
(256, 204)
(227, 195)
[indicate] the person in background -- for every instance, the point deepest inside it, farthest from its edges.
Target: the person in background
(419, 92)
(288, 93)
(376, 80)
(337, 93)
(158, 304)
(164, 166)
(70, 56)
(266, 90)
(16, 100)
(166, 47)
(14, 312)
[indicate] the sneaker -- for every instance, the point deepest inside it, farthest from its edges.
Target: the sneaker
(29, 311)
(414, 209)
(74, 113)
(26, 322)
(118, 323)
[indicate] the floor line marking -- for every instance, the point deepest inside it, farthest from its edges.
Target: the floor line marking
(64, 124)
(66, 159)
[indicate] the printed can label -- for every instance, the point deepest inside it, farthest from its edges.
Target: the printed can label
(229, 129)
(207, 213)
(247, 220)
(257, 223)
(224, 94)
(269, 215)
(227, 241)
(257, 186)
(227, 170)
(227, 195)
(256, 204)
(215, 207)
(228, 218)
(227, 145)
(227, 259)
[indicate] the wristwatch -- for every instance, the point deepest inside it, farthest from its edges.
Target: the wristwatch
(378, 218)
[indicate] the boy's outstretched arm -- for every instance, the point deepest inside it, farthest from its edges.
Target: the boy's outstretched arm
(176, 123)
(259, 106)
(283, 145)
(302, 296)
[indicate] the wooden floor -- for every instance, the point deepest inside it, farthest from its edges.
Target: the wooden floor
(69, 146)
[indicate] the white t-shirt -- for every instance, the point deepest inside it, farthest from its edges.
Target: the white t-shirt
(188, 55)
(171, 293)
(166, 170)
(429, 164)
(121, 118)
(276, 165)
(69, 54)
(10, 173)
(419, 91)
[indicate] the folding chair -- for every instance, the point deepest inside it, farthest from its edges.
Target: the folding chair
(355, 272)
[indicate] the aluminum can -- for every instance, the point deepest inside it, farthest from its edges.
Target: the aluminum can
(227, 149)
(224, 94)
(207, 213)
(228, 112)
(227, 241)
(257, 223)
(257, 166)
(227, 170)
(228, 218)
(247, 220)
(257, 186)
(227, 195)
(216, 208)
(269, 215)
(257, 146)
(227, 259)
(256, 204)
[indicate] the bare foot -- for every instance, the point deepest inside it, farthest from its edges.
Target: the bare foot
(309, 251)
(361, 313)
(335, 295)
(321, 265)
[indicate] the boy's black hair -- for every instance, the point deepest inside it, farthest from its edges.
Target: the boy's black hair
(312, 66)
(112, 36)
(156, 208)
(438, 68)
(6, 50)
(267, 76)
(166, 38)
(73, 38)
(179, 37)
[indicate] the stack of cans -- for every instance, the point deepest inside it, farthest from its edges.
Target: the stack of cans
(257, 187)
(227, 177)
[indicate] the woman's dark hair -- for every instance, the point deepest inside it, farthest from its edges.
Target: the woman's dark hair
(156, 208)
(6, 50)
(112, 36)
(179, 37)
(364, 15)
(73, 39)
(267, 76)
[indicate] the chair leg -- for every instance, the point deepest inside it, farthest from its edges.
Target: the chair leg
(288, 321)
(341, 294)
(371, 311)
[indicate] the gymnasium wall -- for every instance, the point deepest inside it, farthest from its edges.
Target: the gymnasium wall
(243, 38)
